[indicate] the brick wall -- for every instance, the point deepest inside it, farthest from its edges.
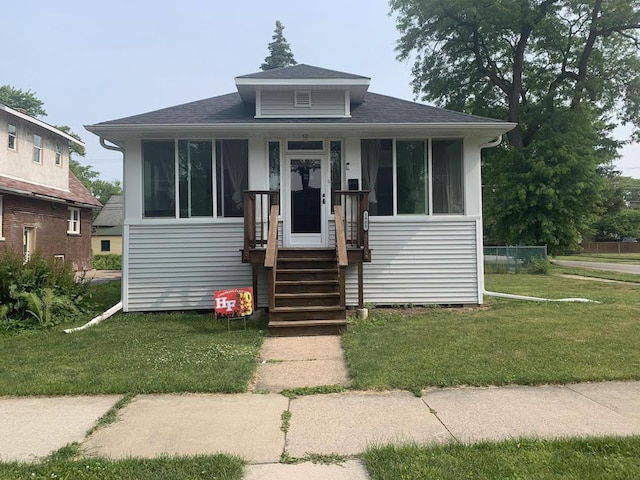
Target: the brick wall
(49, 220)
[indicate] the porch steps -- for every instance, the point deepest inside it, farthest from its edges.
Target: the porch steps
(307, 290)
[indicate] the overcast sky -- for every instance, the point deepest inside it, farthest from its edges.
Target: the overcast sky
(92, 61)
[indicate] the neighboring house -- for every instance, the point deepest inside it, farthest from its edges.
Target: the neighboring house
(43, 206)
(107, 228)
(196, 183)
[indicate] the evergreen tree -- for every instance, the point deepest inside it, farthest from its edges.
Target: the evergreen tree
(279, 51)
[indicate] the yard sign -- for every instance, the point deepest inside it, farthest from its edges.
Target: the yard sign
(233, 303)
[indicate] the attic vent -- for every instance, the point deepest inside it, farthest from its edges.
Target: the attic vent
(302, 98)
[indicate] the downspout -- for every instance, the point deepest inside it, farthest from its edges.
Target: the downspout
(495, 143)
(118, 306)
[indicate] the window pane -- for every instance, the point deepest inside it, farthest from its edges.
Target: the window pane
(158, 158)
(448, 187)
(37, 148)
(196, 178)
(105, 245)
(274, 167)
(377, 175)
(12, 136)
(411, 176)
(232, 176)
(336, 170)
(305, 145)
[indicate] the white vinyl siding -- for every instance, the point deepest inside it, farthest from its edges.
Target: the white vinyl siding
(419, 263)
(175, 267)
(281, 103)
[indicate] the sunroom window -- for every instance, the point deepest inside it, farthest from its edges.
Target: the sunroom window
(232, 176)
(158, 158)
(411, 182)
(448, 186)
(377, 174)
(196, 178)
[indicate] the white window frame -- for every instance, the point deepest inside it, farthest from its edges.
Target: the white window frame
(58, 155)
(13, 135)
(37, 149)
(73, 221)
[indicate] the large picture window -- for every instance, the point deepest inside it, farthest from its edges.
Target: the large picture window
(158, 158)
(396, 173)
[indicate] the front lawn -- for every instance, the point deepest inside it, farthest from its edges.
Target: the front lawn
(131, 353)
(505, 341)
(579, 459)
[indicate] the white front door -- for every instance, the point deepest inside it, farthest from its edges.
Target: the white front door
(306, 201)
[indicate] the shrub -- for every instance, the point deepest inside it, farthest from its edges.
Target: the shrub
(38, 293)
(538, 266)
(107, 262)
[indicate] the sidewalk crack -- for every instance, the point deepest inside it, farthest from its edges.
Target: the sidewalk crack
(435, 414)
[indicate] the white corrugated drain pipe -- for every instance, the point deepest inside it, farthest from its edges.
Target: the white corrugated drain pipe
(118, 306)
(537, 299)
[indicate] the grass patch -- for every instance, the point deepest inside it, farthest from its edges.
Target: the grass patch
(109, 261)
(112, 415)
(293, 393)
(105, 295)
(584, 459)
(132, 353)
(585, 272)
(220, 467)
(602, 257)
(505, 342)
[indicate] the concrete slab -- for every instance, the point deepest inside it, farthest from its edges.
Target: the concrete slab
(34, 427)
(492, 413)
(153, 425)
(351, 470)
(275, 377)
(347, 423)
(622, 397)
(322, 347)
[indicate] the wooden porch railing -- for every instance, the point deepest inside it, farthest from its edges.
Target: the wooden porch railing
(257, 218)
(355, 219)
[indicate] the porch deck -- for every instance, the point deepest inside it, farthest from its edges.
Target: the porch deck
(306, 286)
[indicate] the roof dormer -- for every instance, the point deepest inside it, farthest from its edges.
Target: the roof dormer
(302, 91)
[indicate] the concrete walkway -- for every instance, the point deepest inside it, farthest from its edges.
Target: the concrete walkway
(607, 267)
(265, 427)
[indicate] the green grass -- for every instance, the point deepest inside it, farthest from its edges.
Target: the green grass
(575, 459)
(585, 272)
(602, 257)
(219, 467)
(504, 342)
(131, 353)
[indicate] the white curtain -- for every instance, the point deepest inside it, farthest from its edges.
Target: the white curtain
(371, 150)
(235, 154)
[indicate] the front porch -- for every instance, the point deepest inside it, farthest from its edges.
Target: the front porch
(306, 285)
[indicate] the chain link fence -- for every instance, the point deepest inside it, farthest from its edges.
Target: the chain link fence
(513, 259)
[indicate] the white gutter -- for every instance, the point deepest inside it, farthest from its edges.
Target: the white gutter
(115, 148)
(537, 299)
(103, 316)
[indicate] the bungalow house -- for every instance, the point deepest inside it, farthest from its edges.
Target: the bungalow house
(307, 186)
(43, 206)
(107, 228)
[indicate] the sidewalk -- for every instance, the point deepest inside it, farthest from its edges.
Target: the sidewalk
(251, 425)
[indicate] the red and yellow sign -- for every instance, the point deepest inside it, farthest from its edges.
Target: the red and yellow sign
(233, 303)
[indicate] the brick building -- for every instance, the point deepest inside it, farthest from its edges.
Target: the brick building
(43, 206)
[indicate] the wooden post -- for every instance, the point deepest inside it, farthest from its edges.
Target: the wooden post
(254, 279)
(360, 285)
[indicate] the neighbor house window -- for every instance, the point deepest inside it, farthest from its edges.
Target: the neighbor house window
(232, 176)
(58, 155)
(13, 137)
(73, 221)
(396, 173)
(37, 149)
(105, 245)
(195, 167)
(159, 165)
(448, 186)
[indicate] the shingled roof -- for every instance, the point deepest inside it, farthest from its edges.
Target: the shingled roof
(76, 195)
(229, 109)
(300, 72)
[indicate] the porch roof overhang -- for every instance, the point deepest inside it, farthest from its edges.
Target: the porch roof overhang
(118, 134)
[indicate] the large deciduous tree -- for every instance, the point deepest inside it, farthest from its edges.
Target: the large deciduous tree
(22, 99)
(279, 51)
(563, 70)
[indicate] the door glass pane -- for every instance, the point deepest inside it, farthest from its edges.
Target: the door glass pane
(336, 170)
(306, 183)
